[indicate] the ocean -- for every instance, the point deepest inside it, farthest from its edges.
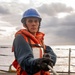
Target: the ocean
(6, 58)
(62, 52)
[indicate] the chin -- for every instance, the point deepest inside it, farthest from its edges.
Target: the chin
(34, 32)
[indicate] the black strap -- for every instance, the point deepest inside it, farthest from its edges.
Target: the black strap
(36, 45)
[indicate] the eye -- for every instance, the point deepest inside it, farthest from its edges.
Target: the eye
(36, 21)
(30, 21)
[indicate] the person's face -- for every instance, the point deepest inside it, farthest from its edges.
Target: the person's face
(32, 24)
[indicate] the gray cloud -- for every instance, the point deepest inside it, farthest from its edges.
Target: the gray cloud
(54, 8)
(14, 19)
(12, 12)
(58, 31)
(12, 8)
(69, 20)
(3, 10)
(2, 30)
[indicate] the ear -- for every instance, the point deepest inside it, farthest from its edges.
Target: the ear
(24, 25)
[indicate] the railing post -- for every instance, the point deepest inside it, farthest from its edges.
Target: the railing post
(69, 60)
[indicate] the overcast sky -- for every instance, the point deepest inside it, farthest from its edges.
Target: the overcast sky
(58, 20)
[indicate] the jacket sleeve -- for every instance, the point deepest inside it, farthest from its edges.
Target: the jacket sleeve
(51, 52)
(23, 54)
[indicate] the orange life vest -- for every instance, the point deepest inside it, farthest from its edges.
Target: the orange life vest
(33, 40)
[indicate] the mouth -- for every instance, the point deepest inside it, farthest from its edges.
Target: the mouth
(33, 28)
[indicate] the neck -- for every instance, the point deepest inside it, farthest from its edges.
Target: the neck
(34, 34)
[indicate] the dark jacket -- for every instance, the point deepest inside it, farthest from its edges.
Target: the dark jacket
(24, 56)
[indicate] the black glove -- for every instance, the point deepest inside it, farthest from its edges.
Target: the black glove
(47, 55)
(42, 63)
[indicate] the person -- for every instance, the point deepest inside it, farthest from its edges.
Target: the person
(32, 56)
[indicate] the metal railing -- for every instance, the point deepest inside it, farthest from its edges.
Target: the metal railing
(69, 60)
(69, 57)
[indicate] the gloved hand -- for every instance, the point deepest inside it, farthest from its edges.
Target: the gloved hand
(47, 55)
(43, 63)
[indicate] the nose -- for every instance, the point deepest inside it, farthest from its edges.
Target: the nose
(34, 23)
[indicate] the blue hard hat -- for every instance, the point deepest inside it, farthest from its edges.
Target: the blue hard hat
(30, 13)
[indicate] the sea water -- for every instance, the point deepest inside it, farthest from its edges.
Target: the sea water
(6, 58)
(62, 64)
